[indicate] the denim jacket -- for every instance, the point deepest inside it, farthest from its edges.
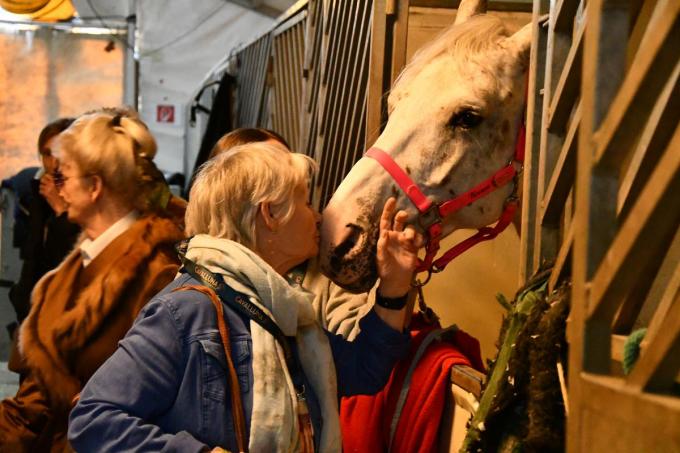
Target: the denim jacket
(165, 388)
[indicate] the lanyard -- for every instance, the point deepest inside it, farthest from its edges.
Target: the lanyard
(241, 304)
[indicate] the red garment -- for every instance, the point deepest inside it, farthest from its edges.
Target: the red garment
(365, 420)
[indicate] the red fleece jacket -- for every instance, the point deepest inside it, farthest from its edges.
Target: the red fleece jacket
(366, 420)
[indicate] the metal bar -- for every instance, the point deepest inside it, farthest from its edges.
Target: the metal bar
(358, 94)
(341, 94)
(349, 81)
(376, 73)
(562, 178)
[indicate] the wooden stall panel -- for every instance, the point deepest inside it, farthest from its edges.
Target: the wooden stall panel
(626, 241)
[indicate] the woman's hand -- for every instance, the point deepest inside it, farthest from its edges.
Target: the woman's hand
(397, 252)
(50, 192)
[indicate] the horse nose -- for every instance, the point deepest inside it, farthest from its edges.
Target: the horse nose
(350, 242)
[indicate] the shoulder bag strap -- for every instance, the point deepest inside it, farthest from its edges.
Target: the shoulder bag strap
(234, 389)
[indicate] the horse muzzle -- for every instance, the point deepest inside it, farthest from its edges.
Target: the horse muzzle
(347, 255)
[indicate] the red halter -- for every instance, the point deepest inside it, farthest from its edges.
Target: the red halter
(432, 215)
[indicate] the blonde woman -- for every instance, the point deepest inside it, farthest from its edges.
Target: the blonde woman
(83, 308)
(337, 310)
(230, 355)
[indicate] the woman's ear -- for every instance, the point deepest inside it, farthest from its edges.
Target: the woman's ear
(265, 211)
(96, 187)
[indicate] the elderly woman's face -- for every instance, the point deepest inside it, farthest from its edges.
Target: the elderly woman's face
(76, 190)
(299, 237)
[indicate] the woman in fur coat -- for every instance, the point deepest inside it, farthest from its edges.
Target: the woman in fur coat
(81, 309)
(230, 355)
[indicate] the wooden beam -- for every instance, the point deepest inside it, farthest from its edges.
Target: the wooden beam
(619, 418)
(594, 222)
(633, 300)
(659, 364)
(641, 24)
(653, 64)
(653, 139)
(531, 161)
(639, 234)
(468, 379)
(670, 293)
(568, 85)
(618, 343)
(562, 179)
(399, 39)
(518, 6)
(563, 259)
(564, 13)
(546, 237)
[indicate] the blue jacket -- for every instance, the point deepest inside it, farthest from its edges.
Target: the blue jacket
(165, 387)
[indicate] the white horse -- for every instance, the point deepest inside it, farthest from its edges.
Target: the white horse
(453, 122)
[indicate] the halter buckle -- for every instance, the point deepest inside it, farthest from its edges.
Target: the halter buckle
(429, 217)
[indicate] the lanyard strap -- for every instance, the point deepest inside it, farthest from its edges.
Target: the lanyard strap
(240, 303)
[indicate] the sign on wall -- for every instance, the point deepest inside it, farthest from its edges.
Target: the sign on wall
(165, 113)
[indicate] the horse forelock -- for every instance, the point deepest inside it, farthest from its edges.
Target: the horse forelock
(472, 37)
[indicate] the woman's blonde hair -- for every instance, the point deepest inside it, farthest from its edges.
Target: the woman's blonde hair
(230, 188)
(118, 148)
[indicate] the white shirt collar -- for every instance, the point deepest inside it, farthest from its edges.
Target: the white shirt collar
(89, 249)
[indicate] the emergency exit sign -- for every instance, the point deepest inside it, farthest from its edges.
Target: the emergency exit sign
(165, 114)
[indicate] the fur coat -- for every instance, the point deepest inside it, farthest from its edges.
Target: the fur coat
(77, 317)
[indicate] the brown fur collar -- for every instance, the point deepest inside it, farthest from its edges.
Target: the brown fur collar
(64, 332)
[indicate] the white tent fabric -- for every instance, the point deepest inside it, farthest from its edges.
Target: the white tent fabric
(179, 42)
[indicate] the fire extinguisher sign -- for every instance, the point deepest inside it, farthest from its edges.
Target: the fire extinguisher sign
(165, 113)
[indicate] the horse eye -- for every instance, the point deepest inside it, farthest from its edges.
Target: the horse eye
(466, 119)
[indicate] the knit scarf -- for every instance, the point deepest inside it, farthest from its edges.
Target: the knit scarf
(274, 421)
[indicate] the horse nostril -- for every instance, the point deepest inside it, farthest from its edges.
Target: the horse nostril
(350, 241)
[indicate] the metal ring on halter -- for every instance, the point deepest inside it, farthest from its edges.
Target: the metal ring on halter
(429, 217)
(512, 198)
(418, 284)
(436, 269)
(519, 167)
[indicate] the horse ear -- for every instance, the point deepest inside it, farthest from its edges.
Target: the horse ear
(519, 44)
(469, 8)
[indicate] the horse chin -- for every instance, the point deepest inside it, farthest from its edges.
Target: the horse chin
(361, 285)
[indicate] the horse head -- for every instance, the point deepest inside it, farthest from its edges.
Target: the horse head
(453, 119)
